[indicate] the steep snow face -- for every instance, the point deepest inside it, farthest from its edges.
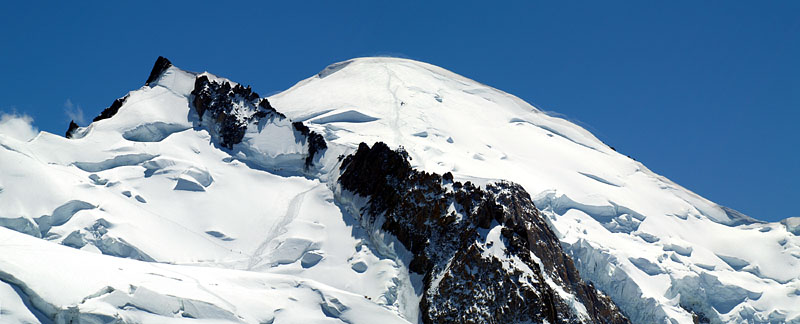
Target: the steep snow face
(218, 207)
(150, 182)
(663, 253)
(172, 195)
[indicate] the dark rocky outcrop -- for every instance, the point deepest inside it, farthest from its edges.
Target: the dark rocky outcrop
(445, 224)
(161, 65)
(111, 110)
(72, 127)
(316, 143)
(228, 110)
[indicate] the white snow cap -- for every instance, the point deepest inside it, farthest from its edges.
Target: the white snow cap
(659, 250)
(239, 236)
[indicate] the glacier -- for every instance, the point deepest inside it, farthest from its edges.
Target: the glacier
(151, 214)
(609, 210)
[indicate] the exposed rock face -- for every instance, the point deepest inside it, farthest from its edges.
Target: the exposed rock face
(161, 65)
(316, 143)
(72, 127)
(111, 110)
(228, 110)
(487, 256)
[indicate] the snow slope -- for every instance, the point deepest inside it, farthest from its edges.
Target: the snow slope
(150, 185)
(93, 288)
(248, 234)
(660, 251)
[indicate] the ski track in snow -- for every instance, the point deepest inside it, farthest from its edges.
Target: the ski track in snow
(398, 104)
(278, 228)
(605, 200)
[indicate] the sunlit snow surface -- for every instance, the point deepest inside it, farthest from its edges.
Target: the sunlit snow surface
(248, 236)
(147, 185)
(649, 243)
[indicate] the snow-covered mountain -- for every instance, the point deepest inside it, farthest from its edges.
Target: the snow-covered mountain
(380, 189)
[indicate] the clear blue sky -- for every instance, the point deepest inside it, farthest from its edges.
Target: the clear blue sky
(706, 93)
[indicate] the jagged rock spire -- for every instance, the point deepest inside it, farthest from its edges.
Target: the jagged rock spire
(161, 65)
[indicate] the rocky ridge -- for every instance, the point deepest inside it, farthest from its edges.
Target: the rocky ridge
(485, 255)
(455, 232)
(421, 219)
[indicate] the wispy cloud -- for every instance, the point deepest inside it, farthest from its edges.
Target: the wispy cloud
(18, 126)
(74, 112)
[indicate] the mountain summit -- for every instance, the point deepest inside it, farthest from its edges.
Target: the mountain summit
(379, 190)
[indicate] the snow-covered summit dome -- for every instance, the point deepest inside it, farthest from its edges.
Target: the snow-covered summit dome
(658, 249)
(228, 186)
